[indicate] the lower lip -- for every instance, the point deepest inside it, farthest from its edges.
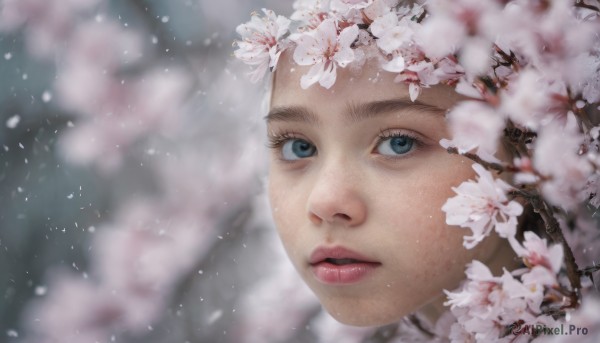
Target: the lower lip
(333, 274)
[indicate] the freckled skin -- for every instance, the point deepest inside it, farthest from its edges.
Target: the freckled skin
(387, 210)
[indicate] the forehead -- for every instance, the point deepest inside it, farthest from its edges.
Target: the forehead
(365, 84)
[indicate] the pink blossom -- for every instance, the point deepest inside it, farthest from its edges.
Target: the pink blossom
(528, 100)
(549, 38)
(343, 6)
(536, 252)
(379, 8)
(310, 13)
(587, 317)
(265, 306)
(49, 22)
(396, 65)
(418, 74)
(476, 304)
(119, 115)
(324, 49)
(467, 89)
(104, 46)
(358, 3)
(260, 46)
(76, 310)
(441, 36)
(566, 182)
(475, 125)
(486, 305)
(96, 52)
(584, 76)
(483, 206)
(451, 23)
(391, 33)
(526, 174)
(475, 56)
(458, 334)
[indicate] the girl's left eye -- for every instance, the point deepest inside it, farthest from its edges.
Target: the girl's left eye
(396, 145)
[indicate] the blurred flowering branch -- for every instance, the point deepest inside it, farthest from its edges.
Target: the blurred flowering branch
(126, 94)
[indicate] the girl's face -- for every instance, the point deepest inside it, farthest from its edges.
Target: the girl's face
(357, 180)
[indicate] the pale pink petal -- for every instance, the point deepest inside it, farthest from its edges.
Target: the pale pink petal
(313, 76)
(414, 90)
(329, 75)
(348, 36)
(396, 65)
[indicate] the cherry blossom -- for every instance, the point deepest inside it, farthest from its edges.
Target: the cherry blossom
(536, 252)
(259, 46)
(530, 71)
(483, 206)
(486, 306)
(475, 125)
(396, 65)
(526, 173)
(475, 56)
(584, 318)
(344, 6)
(379, 8)
(566, 183)
(391, 34)
(529, 100)
(325, 50)
(87, 312)
(310, 12)
(532, 62)
(49, 23)
(258, 326)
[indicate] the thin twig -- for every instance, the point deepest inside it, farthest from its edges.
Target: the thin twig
(580, 3)
(489, 165)
(555, 232)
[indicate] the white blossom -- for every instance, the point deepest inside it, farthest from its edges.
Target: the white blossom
(536, 252)
(260, 42)
(482, 206)
(324, 49)
(486, 305)
(566, 181)
(391, 34)
(475, 125)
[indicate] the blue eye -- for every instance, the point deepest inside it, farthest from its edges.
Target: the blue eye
(295, 149)
(396, 145)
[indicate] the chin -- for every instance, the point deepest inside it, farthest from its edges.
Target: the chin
(367, 315)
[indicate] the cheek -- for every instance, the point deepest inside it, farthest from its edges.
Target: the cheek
(285, 210)
(426, 245)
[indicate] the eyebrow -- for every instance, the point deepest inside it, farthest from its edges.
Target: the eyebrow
(355, 112)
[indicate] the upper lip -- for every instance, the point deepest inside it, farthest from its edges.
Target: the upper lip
(320, 254)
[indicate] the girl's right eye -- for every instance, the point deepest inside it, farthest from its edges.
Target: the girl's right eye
(295, 149)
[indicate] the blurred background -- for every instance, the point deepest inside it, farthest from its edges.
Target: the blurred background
(131, 180)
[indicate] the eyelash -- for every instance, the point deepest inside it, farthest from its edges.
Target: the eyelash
(391, 133)
(277, 140)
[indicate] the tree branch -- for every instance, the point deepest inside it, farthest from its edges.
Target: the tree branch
(489, 165)
(581, 4)
(555, 232)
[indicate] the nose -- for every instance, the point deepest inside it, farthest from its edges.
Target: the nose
(335, 198)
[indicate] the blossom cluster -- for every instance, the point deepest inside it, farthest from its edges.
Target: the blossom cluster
(487, 306)
(331, 35)
(529, 72)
